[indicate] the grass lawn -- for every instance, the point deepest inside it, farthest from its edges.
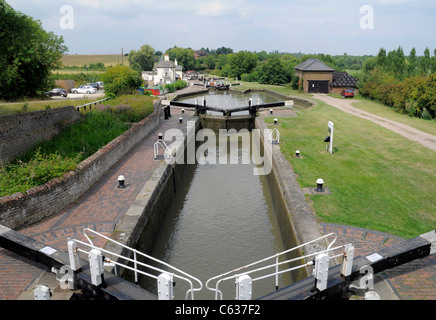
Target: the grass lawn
(378, 179)
(30, 106)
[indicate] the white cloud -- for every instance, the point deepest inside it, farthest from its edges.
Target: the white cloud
(394, 2)
(211, 8)
(246, 24)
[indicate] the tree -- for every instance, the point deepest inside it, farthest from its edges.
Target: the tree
(433, 62)
(27, 56)
(273, 73)
(185, 57)
(240, 63)
(143, 59)
(121, 80)
(381, 57)
(209, 61)
(425, 64)
(412, 67)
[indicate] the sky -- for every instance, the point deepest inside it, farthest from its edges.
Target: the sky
(355, 27)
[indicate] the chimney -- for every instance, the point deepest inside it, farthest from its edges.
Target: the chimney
(167, 57)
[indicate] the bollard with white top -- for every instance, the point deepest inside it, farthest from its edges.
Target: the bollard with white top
(319, 185)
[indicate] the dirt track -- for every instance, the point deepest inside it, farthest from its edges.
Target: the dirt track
(425, 139)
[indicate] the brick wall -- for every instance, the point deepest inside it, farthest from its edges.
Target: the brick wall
(20, 132)
(22, 209)
(313, 76)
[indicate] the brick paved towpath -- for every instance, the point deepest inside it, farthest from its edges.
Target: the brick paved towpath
(99, 209)
(104, 205)
(415, 280)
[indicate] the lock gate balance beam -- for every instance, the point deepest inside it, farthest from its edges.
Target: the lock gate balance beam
(202, 108)
(47, 258)
(337, 286)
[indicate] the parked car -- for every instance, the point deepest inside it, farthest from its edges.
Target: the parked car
(57, 92)
(347, 93)
(94, 85)
(84, 89)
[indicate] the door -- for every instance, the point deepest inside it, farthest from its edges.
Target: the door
(318, 86)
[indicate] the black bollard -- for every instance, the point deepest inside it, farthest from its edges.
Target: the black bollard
(166, 113)
(203, 111)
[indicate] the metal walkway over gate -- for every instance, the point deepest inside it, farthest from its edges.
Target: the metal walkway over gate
(203, 107)
(329, 280)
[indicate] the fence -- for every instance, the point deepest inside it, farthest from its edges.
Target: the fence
(90, 104)
(164, 278)
(244, 282)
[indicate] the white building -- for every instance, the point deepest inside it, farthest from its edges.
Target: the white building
(166, 72)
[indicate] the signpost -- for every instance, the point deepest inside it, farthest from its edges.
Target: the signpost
(330, 129)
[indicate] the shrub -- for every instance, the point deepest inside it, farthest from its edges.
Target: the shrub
(121, 80)
(173, 87)
(409, 96)
(21, 176)
(250, 77)
(295, 82)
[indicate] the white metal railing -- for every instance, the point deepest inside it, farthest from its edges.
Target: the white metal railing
(274, 136)
(243, 280)
(90, 103)
(161, 143)
(164, 279)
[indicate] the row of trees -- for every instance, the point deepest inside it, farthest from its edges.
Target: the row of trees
(263, 67)
(405, 83)
(400, 66)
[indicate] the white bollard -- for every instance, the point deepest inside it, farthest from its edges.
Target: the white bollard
(165, 287)
(321, 271)
(244, 288)
(42, 293)
(347, 261)
(96, 266)
(73, 254)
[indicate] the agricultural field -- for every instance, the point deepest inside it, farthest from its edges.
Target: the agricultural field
(81, 60)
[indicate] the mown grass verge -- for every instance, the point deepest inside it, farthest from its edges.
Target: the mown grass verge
(51, 159)
(31, 106)
(378, 179)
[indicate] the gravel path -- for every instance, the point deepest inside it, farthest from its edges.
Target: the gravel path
(426, 139)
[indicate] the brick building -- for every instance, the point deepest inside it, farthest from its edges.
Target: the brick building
(318, 77)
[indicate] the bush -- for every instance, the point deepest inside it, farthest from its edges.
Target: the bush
(173, 87)
(21, 176)
(409, 96)
(295, 82)
(121, 80)
(250, 77)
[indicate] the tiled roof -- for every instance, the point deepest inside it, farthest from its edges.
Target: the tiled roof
(343, 79)
(166, 64)
(312, 64)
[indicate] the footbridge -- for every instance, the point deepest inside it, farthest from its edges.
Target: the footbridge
(94, 270)
(252, 108)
